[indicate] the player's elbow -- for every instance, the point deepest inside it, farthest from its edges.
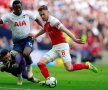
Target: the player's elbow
(26, 54)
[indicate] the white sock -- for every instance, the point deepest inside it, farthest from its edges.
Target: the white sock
(20, 76)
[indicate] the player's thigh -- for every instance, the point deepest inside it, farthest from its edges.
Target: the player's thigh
(68, 65)
(27, 51)
(28, 47)
(44, 60)
(64, 53)
(51, 55)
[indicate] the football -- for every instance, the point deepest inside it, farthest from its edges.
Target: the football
(51, 82)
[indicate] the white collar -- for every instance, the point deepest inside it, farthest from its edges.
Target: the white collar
(49, 19)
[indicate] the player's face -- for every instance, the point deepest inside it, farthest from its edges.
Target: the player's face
(44, 15)
(17, 9)
(7, 57)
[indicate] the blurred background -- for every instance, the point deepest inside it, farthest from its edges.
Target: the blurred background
(87, 19)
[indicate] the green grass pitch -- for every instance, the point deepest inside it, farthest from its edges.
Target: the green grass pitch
(78, 80)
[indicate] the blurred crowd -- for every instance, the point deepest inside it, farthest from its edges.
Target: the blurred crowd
(87, 19)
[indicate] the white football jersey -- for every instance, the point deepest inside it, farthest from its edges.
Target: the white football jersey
(20, 25)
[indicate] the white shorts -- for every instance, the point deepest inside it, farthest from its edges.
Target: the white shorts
(60, 50)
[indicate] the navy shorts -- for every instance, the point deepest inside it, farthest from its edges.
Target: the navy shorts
(21, 44)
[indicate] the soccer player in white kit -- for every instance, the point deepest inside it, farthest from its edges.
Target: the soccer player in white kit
(19, 22)
(54, 28)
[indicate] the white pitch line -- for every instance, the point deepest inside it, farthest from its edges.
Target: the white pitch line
(7, 88)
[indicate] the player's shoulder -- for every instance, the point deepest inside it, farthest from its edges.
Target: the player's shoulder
(27, 12)
(8, 15)
(52, 20)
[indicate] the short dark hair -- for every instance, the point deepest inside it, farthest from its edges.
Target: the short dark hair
(16, 2)
(3, 52)
(43, 7)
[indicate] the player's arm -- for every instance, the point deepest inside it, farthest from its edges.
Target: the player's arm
(35, 18)
(4, 19)
(3, 67)
(39, 22)
(38, 34)
(71, 35)
(17, 57)
(56, 23)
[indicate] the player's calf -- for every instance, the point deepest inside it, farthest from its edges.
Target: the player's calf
(29, 62)
(73, 67)
(20, 79)
(68, 66)
(43, 69)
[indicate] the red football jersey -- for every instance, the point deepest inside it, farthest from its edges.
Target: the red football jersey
(52, 28)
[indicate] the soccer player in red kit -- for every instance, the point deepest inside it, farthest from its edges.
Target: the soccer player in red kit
(54, 28)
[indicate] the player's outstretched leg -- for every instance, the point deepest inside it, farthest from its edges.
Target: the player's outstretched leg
(34, 80)
(42, 66)
(20, 79)
(74, 67)
(92, 67)
(43, 69)
(19, 71)
(26, 54)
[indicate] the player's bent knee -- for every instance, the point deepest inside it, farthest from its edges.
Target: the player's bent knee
(43, 61)
(69, 69)
(26, 54)
(40, 64)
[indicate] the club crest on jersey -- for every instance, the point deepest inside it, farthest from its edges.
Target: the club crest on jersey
(20, 23)
(57, 24)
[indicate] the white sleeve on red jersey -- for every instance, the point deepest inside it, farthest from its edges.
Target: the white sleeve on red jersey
(5, 18)
(31, 15)
(54, 22)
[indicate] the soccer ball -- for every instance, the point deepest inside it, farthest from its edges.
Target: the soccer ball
(51, 82)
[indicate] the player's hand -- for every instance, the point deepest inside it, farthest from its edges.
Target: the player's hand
(33, 36)
(15, 66)
(79, 41)
(7, 64)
